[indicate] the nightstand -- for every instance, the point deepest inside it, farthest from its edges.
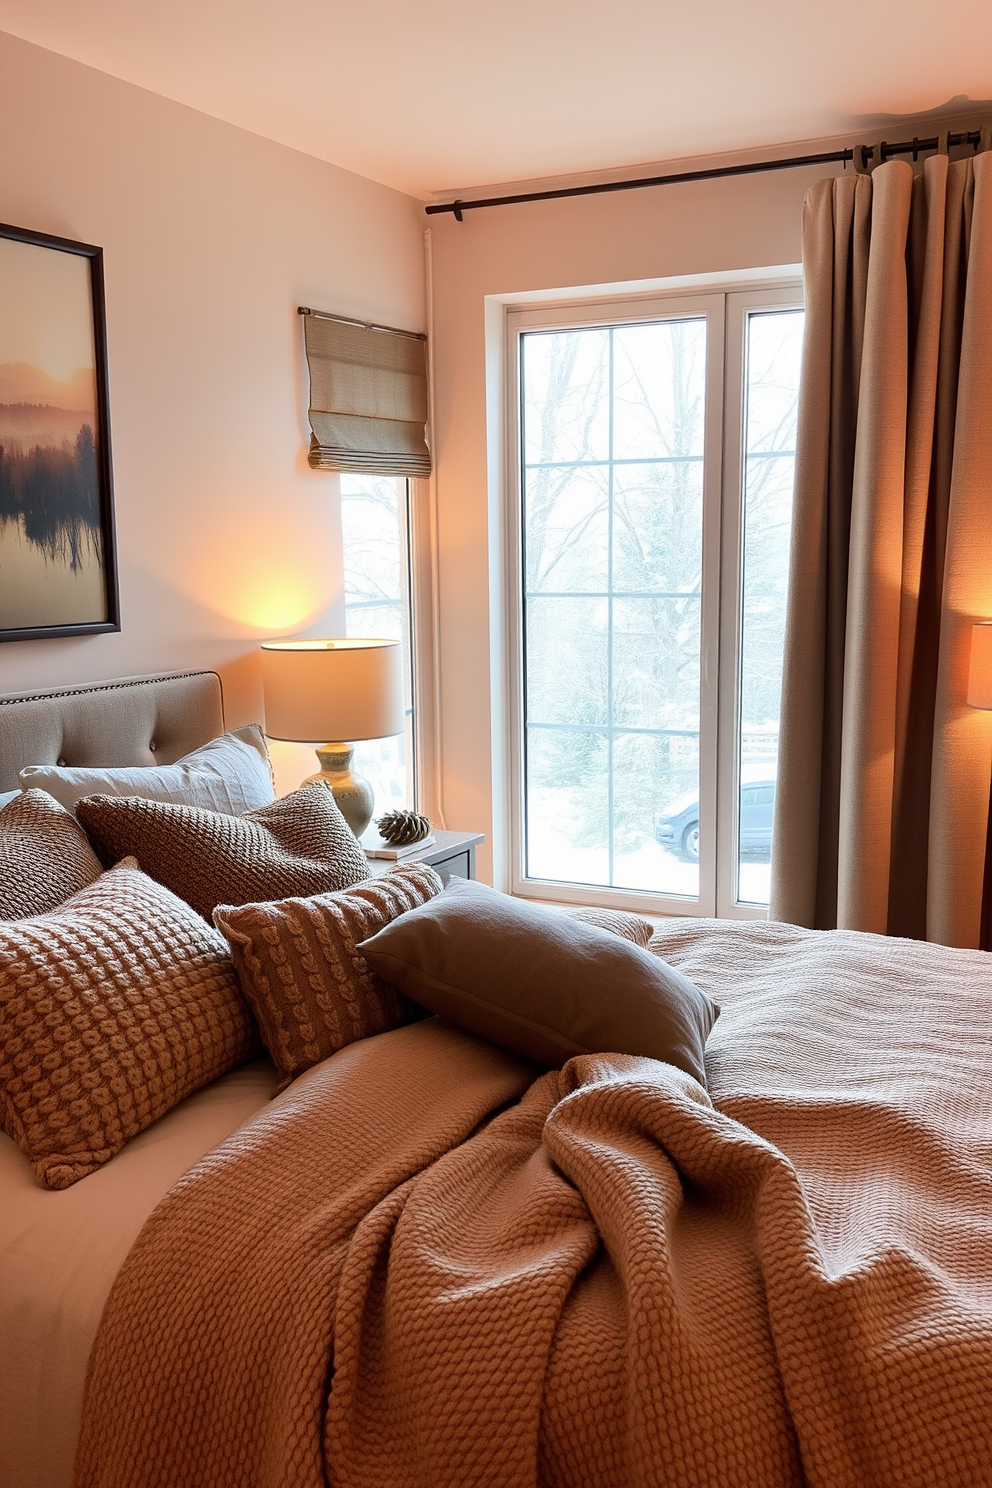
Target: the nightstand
(451, 855)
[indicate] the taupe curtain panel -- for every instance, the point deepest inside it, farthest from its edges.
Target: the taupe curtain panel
(883, 785)
(368, 398)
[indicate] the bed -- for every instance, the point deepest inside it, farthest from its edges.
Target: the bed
(428, 1261)
(61, 1251)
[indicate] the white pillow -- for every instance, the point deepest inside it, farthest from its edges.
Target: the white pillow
(231, 774)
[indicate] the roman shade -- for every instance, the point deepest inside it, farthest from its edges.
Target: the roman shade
(368, 397)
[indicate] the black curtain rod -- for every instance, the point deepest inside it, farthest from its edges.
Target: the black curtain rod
(366, 325)
(912, 147)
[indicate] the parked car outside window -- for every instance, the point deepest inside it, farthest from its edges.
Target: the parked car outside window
(677, 826)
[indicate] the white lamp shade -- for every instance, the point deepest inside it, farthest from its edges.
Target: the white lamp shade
(980, 671)
(341, 690)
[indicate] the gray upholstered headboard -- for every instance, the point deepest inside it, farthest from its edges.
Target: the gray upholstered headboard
(130, 721)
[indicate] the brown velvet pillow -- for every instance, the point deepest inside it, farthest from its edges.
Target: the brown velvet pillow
(112, 1009)
(300, 844)
(618, 921)
(540, 983)
(44, 856)
(300, 970)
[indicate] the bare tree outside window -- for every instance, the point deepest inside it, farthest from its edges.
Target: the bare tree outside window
(613, 449)
(375, 531)
(612, 443)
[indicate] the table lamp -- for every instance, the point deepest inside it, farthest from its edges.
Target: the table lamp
(980, 669)
(341, 689)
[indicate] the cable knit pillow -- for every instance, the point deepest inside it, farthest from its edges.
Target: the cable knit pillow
(44, 856)
(308, 986)
(301, 844)
(113, 1008)
(230, 773)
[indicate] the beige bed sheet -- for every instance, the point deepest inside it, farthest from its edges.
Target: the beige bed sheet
(59, 1254)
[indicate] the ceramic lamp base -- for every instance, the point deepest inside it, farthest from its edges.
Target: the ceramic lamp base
(353, 795)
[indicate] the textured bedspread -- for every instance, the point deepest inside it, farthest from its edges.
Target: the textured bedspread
(615, 1280)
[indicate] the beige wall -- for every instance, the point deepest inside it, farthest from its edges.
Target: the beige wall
(212, 236)
(711, 227)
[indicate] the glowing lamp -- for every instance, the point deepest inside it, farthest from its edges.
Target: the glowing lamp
(980, 671)
(347, 688)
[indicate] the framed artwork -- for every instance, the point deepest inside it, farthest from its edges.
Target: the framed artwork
(58, 564)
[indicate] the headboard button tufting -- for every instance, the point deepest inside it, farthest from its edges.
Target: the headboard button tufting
(109, 724)
(152, 746)
(60, 761)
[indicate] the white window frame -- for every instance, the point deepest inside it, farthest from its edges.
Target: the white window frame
(725, 306)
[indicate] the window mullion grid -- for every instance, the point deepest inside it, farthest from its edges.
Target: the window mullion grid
(719, 617)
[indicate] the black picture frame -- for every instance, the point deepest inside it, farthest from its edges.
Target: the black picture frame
(57, 538)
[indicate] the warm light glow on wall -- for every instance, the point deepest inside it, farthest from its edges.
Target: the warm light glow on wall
(281, 602)
(980, 671)
(269, 582)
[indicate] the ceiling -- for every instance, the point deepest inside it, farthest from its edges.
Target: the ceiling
(443, 95)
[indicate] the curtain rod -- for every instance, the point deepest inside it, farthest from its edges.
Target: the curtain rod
(366, 325)
(793, 162)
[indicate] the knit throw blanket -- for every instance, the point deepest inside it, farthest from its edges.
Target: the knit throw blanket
(423, 1267)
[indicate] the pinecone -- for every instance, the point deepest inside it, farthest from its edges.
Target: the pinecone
(400, 828)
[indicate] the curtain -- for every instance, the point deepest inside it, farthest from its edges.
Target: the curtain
(368, 397)
(883, 787)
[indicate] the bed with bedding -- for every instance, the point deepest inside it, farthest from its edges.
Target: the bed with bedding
(314, 1180)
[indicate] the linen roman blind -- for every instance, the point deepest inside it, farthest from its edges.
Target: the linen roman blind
(368, 397)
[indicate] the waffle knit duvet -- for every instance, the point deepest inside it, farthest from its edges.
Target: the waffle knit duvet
(428, 1266)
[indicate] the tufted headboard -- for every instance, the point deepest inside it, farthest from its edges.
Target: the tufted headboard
(130, 721)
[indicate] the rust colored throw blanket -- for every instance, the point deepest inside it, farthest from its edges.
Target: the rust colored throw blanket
(616, 1281)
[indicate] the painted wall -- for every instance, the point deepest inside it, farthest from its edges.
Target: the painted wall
(212, 236)
(711, 227)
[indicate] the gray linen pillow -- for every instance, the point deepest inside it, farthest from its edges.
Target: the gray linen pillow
(542, 984)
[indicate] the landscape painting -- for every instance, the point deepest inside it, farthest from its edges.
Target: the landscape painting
(57, 561)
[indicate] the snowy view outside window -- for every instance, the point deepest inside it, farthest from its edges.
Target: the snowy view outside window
(375, 535)
(613, 422)
(774, 345)
(613, 459)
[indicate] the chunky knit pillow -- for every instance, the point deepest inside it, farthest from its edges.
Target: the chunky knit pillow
(44, 856)
(112, 1009)
(308, 986)
(301, 844)
(622, 922)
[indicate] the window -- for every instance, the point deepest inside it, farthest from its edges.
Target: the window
(760, 490)
(375, 529)
(655, 452)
